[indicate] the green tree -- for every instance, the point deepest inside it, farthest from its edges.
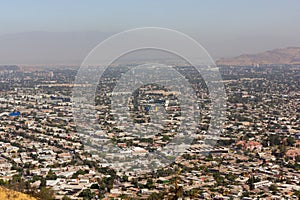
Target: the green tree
(51, 175)
(251, 182)
(290, 141)
(156, 196)
(86, 194)
(43, 182)
(273, 188)
(66, 198)
(149, 183)
(45, 194)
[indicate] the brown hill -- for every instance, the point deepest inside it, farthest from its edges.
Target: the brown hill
(6, 194)
(290, 55)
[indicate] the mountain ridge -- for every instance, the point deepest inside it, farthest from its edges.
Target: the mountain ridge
(288, 55)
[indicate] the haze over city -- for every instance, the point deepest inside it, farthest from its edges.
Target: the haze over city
(63, 32)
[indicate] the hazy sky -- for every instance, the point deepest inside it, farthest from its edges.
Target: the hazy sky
(224, 28)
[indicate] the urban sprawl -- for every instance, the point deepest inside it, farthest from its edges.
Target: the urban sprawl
(257, 155)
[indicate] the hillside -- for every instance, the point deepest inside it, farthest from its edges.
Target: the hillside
(6, 194)
(290, 55)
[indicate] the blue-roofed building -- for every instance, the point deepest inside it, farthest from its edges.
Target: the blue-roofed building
(14, 114)
(147, 108)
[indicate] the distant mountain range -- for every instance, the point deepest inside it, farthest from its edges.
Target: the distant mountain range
(289, 55)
